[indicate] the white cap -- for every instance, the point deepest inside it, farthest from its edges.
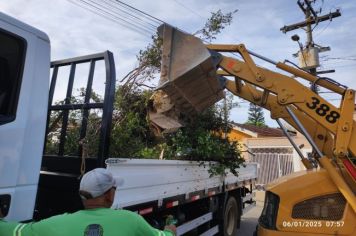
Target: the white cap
(96, 182)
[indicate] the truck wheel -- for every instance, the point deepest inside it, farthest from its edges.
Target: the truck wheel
(231, 214)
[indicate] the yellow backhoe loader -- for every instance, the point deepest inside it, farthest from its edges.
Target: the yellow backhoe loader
(318, 201)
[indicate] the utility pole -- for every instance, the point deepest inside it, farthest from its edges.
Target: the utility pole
(309, 32)
(308, 54)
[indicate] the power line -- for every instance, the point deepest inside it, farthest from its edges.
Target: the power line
(142, 12)
(123, 14)
(338, 63)
(115, 20)
(95, 9)
(340, 58)
(343, 66)
(131, 15)
(107, 11)
(187, 8)
(127, 16)
(318, 33)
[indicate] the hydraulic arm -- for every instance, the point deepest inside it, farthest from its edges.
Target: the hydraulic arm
(194, 75)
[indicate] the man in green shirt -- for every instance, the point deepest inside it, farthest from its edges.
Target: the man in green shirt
(97, 189)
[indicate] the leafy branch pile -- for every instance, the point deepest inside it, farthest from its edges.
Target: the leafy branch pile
(202, 139)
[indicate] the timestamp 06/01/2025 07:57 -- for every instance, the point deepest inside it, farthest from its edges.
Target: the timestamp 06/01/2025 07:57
(313, 223)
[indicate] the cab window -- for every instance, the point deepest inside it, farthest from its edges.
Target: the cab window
(12, 59)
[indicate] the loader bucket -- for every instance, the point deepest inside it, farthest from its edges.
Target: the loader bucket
(188, 71)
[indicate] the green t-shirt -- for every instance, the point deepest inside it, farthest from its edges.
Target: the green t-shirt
(94, 222)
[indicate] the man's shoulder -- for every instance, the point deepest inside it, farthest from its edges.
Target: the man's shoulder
(55, 218)
(83, 214)
(129, 216)
(108, 211)
(122, 212)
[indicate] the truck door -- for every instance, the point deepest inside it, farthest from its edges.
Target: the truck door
(24, 71)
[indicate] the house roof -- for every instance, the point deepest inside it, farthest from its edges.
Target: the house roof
(263, 131)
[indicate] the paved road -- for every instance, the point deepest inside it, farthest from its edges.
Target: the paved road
(249, 220)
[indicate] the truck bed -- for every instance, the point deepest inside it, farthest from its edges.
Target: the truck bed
(165, 181)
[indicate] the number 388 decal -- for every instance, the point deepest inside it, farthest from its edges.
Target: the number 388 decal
(323, 110)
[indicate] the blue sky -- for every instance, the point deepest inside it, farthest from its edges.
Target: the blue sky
(74, 31)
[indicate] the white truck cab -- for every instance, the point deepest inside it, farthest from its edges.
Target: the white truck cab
(24, 73)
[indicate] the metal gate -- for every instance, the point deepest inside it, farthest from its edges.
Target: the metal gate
(274, 163)
(59, 182)
(70, 163)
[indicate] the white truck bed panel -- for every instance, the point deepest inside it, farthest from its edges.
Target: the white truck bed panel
(145, 180)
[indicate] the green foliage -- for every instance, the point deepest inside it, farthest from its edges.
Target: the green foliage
(230, 159)
(130, 135)
(149, 61)
(151, 56)
(224, 108)
(255, 116)
(72, 138)
(202, 139)
(215, 24)
(148, 152)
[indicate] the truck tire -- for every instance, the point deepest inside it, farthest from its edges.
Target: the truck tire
(231, 215)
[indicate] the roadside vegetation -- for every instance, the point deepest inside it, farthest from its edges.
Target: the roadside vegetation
(203, 138)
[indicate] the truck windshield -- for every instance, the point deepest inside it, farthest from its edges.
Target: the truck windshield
(12, 53)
